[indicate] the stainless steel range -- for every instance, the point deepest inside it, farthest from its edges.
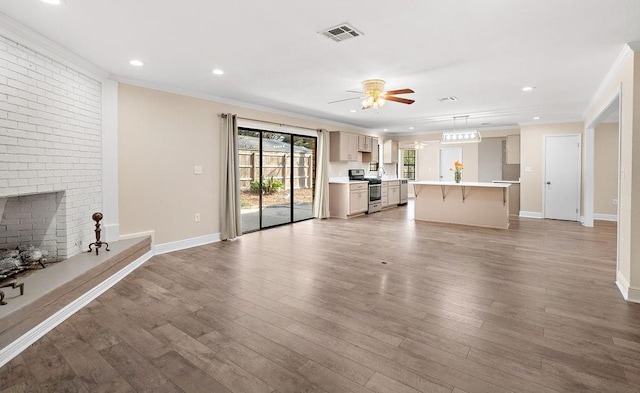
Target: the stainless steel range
(375, 189)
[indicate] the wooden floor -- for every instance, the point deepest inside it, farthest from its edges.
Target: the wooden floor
(372, 304)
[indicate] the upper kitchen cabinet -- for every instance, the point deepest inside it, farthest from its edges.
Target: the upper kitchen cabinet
(364, 143)
(374, 155)
(344, 146)
(513, 149)
(390, 154)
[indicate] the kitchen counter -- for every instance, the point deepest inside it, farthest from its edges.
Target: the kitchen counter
(469, 203)
(340, 181)
(514, 196)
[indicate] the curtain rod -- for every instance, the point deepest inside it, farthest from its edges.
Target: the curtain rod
(271, 122)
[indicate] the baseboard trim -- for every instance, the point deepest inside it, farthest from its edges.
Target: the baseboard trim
(15, 348)
(605, 217)
(629, 293)
(186, 243)
(527, 214)
(633, 295)
(140, 234)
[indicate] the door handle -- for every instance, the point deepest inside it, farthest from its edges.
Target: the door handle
(548, 182)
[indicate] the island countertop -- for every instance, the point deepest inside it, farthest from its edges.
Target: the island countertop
(461, 184)
(481, 204)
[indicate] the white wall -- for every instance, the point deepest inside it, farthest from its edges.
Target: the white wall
(50, 137)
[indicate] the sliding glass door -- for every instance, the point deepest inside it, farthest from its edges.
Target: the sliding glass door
(277, 178)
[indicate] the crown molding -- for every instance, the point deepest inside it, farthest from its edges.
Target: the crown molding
(634, 46)
(227, 101)
(23, 35)
(626, 53)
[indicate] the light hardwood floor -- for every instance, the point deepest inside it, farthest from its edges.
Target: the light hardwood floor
(372, 304)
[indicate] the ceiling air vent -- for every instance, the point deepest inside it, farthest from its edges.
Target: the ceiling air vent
(446, 99)
(341, 32)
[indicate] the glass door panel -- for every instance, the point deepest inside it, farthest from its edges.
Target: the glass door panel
(304, 174)
(249, 158)
(276, 179)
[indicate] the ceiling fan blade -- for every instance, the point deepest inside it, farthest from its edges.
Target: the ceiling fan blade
(400, 100)
(346, 99)
(401, 91)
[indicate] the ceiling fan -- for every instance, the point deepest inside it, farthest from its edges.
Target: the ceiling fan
(375, 96)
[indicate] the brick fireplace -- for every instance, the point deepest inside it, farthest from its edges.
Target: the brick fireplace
(50, 152)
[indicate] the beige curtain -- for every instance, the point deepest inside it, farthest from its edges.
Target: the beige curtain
(230, 200)
(321, 200)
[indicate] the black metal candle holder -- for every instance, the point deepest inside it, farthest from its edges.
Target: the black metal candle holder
(97, 217)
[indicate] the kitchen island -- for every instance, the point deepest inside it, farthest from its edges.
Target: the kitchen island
(467, 203)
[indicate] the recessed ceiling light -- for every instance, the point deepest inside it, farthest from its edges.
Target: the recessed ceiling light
(218, 71)
(353, 111)
(136, 63)
(411, 128)
(536, 118)
(54, 2)
(528, 88)
(385, 129)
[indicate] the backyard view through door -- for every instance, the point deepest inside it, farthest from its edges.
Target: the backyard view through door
(277, 178)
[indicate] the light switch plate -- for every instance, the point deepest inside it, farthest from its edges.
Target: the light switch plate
(528, 169)
(197, 169)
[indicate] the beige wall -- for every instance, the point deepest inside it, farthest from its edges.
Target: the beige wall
(428, 156)
(606, 168)
(531, 156)
(627, 82)
(161, 137)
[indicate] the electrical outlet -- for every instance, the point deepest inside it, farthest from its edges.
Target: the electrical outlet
(197, 169)
(614, 202)
(197, 217)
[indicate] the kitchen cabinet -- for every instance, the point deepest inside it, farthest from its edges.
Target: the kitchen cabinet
(364, 143)
(348, 199)
(513, 149)
(344, 146)
(390, 152)
(391, 193)
(374, 155)
(384, 194)
(358, 200)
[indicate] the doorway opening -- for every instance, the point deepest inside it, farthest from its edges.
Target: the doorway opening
(277, 178)
(603, 171)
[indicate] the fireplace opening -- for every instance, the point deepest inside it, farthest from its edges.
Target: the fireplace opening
(31, 235)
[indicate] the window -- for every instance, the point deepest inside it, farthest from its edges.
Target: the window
(409, 164)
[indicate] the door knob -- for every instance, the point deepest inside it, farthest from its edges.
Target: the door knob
(548, 182)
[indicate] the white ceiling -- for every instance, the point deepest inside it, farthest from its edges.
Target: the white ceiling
(482, 52)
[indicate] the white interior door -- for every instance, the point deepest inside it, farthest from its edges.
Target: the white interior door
(562, 177)
(448, 155)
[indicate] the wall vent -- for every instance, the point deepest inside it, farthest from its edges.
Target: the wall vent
(341, 32)
(450, 98)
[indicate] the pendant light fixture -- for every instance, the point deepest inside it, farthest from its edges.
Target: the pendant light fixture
(466, 136)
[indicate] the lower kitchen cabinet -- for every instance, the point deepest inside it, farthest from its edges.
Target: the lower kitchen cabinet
(390, 193)
(348, 199)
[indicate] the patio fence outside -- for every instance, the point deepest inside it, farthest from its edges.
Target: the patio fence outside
(276, 164)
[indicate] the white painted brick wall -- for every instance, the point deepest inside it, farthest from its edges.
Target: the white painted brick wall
(50, 141)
